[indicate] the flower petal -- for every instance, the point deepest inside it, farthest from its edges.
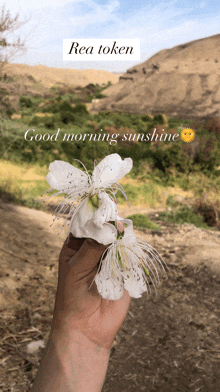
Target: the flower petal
(110, 170)
(134, 281)
(128, 264)
(107, 210)
(104, 235)
(82, 226)
(109, 288)
(63, 177)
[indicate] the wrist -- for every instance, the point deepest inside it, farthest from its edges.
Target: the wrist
(70, 340)
(92, 328)
(81, 359)
(71, 363)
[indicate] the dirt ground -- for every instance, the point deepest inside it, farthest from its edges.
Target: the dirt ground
(168, 343)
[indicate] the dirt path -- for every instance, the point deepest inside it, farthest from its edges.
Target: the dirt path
(168, 343)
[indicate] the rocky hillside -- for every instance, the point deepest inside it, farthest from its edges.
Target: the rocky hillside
(182, 82)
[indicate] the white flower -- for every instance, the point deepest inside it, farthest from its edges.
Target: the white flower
(79, 187)
(128, 264)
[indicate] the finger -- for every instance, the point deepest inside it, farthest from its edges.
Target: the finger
(87, 257)
(70, 247)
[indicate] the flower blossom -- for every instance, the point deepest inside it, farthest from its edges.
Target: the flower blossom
(128, 264)
(80, 187)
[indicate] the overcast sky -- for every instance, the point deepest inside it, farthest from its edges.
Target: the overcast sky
(159, 25)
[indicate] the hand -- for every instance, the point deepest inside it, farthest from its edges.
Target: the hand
(79, 307)
(84, 324)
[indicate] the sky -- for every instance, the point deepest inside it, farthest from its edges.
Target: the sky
(158, 24)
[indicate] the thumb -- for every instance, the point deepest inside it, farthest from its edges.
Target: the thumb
(87, 257)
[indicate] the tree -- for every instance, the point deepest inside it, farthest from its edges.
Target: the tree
(10, 43)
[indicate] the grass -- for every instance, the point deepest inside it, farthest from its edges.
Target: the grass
(141, 221)
(150, 195)
(28, 181)
(25, 183)
(182, 215)
(22, 184)
(9, 193)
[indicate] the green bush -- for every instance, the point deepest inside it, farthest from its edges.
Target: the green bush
(66, 112)
(183, 215)
(146, 118)
(99, 95)
(25, 102)
(141, 221)
(81, 109)
(160, 119)
(10, 111)
(171, 201)
(165, 157)
(49, 123)
(208, 156)
(51, 108)
(35, 120)
(105, 123)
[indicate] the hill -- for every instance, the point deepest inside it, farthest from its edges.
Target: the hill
(182, 82)
(19, 80)
(49, 77)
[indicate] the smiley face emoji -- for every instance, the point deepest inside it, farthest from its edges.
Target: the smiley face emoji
(187, 135)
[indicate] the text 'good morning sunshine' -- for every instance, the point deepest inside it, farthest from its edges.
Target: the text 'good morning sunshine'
(31, 135)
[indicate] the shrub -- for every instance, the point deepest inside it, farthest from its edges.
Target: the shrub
(66, 112)
(10, 111)
(171, 201)
(146, 118)
(104, 123)
(35, 120)
(141, 221)
(213, 126)
(76, 115)
(183, 215)
(51, 108)
(209, 210)
(49, 123)
(208, 156)
(99, 95)
(166, 157)
(25, 102)
(80, 109)
(160, 119)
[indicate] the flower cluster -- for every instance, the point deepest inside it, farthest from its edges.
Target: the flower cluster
(91, 206)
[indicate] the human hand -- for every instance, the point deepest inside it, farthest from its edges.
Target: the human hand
(79, 307)
(84, 324)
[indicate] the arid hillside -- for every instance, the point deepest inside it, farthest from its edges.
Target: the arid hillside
(49, 77)
(181, 82)
(17, 80)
